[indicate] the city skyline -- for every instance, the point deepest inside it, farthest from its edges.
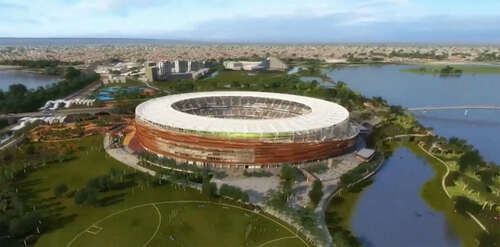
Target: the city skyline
(256, 21)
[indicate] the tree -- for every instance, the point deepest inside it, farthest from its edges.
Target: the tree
(209, 189)
(464, 204)
(92, 196)
(233, 192)
(288, 173)
(397, 110)
(470, 160)
(316, 192)
(81, 196)
(70, 73)
(488, 175)
(24, 225)
(488, 240)
(60, 190)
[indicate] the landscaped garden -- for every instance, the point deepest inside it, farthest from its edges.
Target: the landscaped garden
(90, 199)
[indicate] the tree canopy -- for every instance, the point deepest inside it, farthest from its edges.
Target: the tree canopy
(470, 160)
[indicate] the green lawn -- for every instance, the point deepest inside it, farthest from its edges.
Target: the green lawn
(466, 69)
(192, 224)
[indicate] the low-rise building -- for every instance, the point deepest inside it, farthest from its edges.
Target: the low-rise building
(269, 64)
(174, 70)
(365, 154)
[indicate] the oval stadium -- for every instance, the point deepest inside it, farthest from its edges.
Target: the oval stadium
(244, 129)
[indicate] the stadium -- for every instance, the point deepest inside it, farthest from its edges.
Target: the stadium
(244, 129)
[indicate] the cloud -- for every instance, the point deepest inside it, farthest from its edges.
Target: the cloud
(7, 5)
(256, 20)
(348, 27)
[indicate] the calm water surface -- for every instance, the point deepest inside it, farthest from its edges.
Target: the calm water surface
(479, 127)
(391, 211)
(30, 80)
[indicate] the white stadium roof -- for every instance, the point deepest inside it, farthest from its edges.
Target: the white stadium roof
(323, 114)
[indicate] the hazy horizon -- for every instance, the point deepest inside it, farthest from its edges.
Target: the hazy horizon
(315, 21)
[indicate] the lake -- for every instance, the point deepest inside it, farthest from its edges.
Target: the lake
(479, 127)
(29, 79)
(391, 212)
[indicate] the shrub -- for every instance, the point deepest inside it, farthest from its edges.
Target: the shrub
(209, 189)
(464, 204)
(24, 225)
(316, 192)
(470, 160)
(317, 168)
(60, 190)
(233, 192)
(258, 173)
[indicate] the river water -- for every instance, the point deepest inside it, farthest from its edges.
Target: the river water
(391, 212)
(29, 79)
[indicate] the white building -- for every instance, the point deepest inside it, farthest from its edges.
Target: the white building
(270, 63)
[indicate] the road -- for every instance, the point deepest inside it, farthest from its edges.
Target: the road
(91, 110)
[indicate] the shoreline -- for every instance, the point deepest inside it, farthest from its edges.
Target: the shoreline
(432, 194)
(22, 69)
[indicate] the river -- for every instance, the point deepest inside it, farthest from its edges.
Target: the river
(29, 79)
(391, 212)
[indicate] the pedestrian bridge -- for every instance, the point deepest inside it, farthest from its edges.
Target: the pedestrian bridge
(460, 107)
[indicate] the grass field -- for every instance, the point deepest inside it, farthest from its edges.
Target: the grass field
(185, 224)
(131, 216)
(466, 69)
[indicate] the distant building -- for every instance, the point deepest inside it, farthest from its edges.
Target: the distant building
(244, 65)
(114, 79)
(275, 64)
(269, 64)
(151, 71)
(174, 70)
(181, 66)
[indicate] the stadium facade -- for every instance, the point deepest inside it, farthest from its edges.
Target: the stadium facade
(244, 129)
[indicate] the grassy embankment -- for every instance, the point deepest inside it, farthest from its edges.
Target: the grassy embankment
(433, 194)
(183, 224)
(466, 69)
(343, 205)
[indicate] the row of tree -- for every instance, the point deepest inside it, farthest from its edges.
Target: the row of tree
(280, 83)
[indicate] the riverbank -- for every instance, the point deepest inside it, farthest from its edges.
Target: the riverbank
(435, 69)
(22, 68)
(434, 195)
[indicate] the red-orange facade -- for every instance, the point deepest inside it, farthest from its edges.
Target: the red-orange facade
(236, 152)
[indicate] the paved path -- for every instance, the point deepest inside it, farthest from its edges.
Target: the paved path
(57, 112)
(124, 157)
(443, 185)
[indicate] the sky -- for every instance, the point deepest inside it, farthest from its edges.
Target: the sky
(321, 21)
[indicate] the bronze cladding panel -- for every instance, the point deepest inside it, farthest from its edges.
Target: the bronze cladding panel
(228, 151)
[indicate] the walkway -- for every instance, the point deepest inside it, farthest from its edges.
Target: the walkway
(90, 110)
(124, 157)
(476, 220)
